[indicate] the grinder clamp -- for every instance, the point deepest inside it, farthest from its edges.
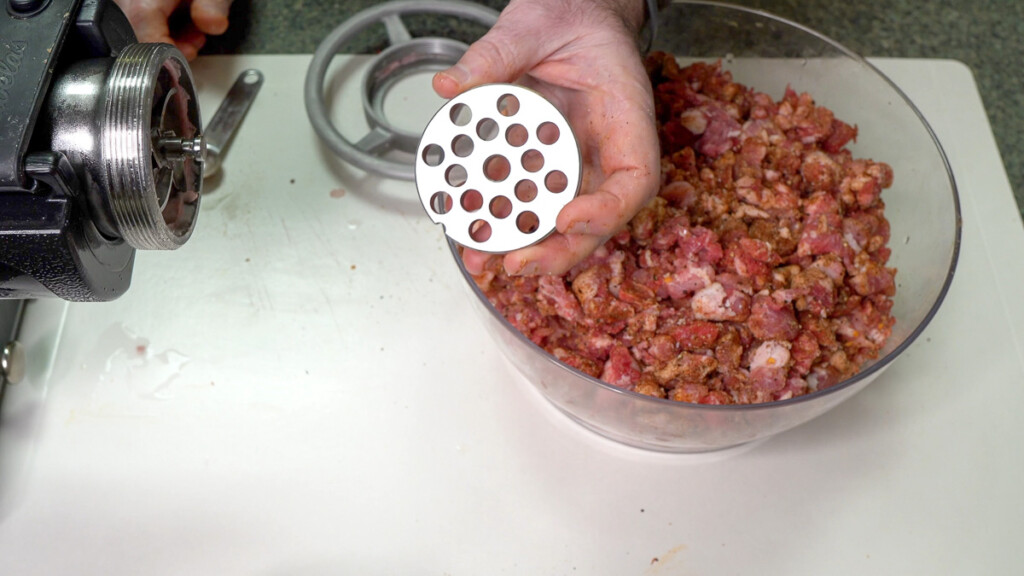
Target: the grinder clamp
(101, 149)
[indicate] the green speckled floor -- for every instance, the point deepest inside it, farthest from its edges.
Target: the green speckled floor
(987, 35)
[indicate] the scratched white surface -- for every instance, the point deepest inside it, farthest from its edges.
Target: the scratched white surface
(303, 389)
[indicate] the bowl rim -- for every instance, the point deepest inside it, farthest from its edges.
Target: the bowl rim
(867, 372)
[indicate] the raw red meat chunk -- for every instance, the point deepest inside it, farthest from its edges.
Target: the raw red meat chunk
(757, 274)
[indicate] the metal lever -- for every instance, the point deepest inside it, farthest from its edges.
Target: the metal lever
(12, 354)
(228, 116)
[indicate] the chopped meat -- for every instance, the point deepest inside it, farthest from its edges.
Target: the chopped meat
(621, 369)
(771, 319)
(769, 367)
(759, 272)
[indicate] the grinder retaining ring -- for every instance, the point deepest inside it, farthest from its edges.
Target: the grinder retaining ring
(405, 56)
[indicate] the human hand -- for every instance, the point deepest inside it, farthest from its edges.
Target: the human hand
(581, 55)
(150, 20)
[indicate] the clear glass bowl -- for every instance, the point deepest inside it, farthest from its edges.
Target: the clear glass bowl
(769, 53)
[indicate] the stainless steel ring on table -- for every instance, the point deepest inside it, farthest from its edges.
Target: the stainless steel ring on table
(405, 55)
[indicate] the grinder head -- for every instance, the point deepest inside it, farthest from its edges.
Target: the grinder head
(102, 154)
(130, 128)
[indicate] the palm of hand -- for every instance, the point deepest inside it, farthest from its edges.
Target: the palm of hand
(592, 72)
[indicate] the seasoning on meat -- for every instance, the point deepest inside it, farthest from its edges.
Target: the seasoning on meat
(757, 274)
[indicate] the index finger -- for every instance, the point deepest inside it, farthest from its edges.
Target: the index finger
(622, 128)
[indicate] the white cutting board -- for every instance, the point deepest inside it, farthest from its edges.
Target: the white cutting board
(304, 389)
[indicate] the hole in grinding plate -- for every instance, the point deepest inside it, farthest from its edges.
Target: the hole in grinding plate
(517, 135)
(471, 201)
(441, 203)
(433, 155)
(526, 190)
(508, 105)
(460, 114)
(480, 231)
(556, 181)
(533, 161)
(548, 133)
(501, 207)
(497, 168)
(527, 222)
(487, 129)
(462, 145)
(455, 175)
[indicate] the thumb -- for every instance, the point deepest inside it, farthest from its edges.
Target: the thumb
(500, 56)
(211, 16)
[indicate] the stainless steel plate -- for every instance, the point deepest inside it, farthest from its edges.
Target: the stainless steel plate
(495, 166)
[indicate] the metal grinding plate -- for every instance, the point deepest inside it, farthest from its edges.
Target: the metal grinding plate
(495, 166)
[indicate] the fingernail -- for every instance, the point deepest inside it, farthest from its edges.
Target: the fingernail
(578, 227)
(527, 269)
(457, 73)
